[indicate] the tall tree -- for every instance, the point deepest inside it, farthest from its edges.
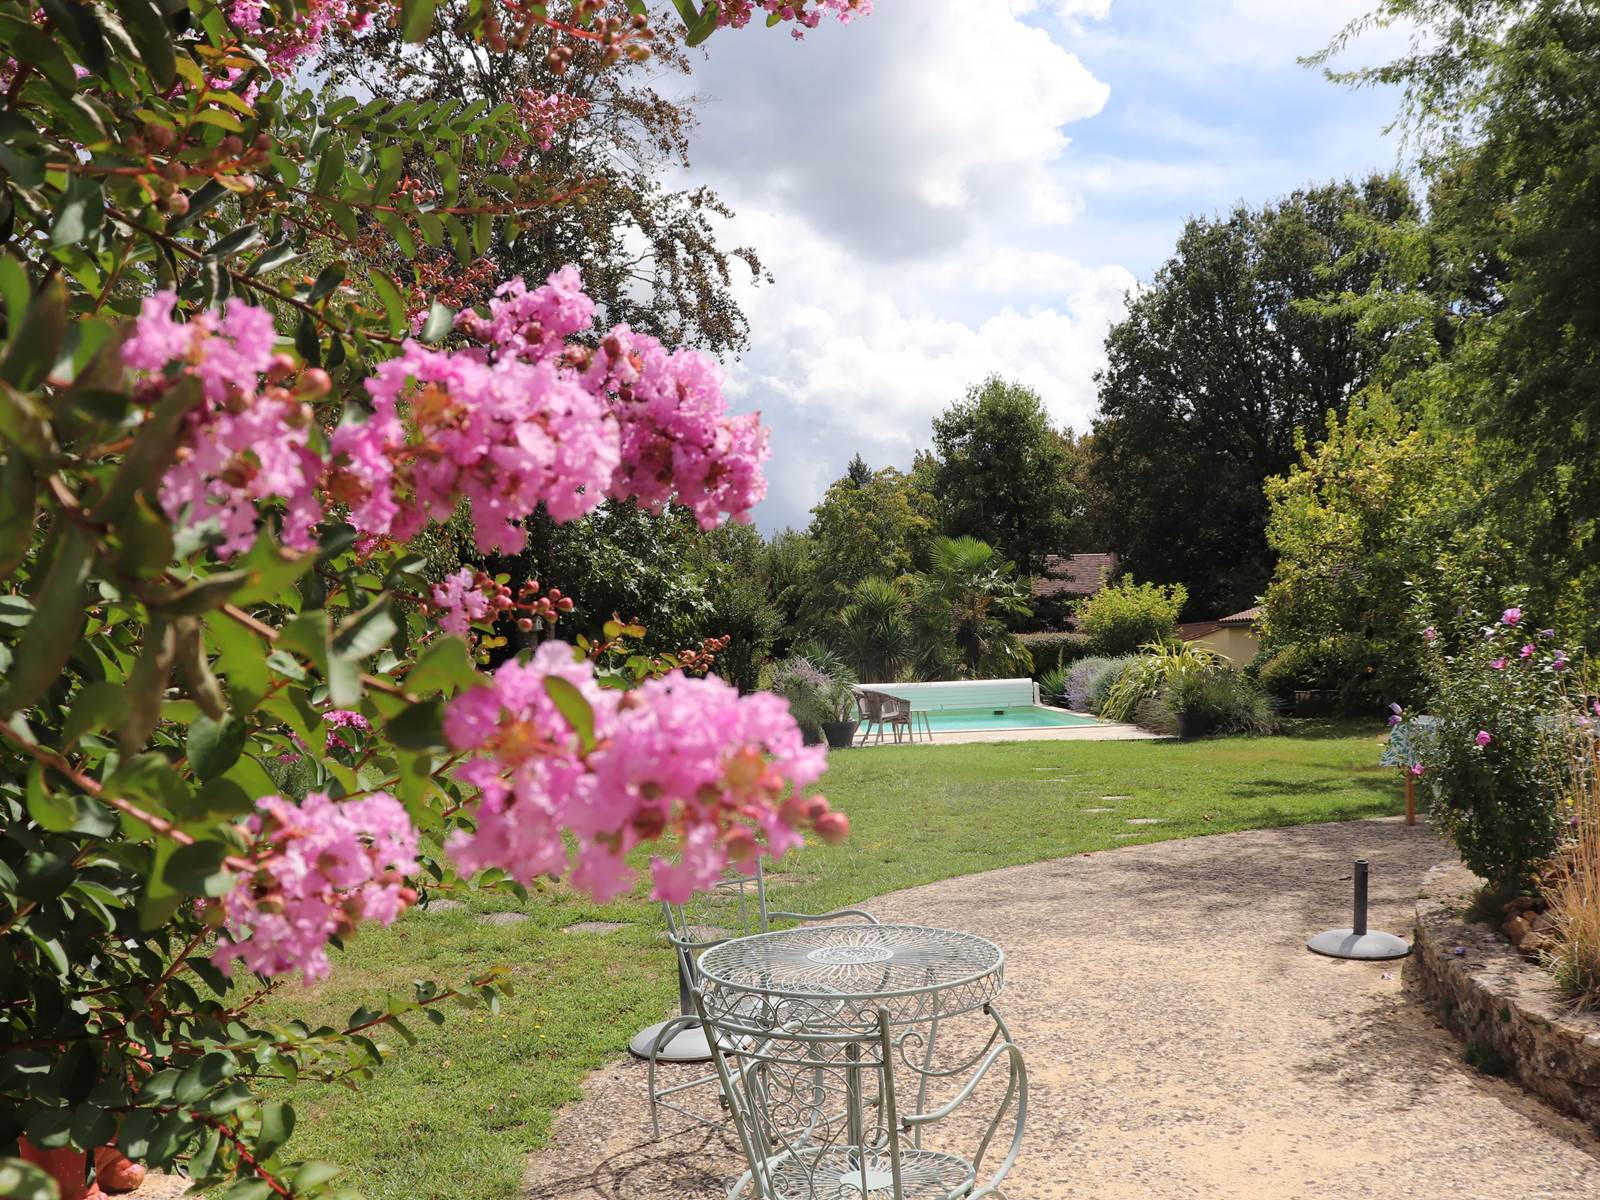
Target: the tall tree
(867, 523)
(1003, 473)
(1232, 352)
(1501, 98)
(649, 252)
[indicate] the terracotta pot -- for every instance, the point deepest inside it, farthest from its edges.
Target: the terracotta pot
(114, 1171)
(66, 1166)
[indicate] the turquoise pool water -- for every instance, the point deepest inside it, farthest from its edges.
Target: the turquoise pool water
(1022, 717)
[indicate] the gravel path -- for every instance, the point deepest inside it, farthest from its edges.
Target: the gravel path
(1181, 1042)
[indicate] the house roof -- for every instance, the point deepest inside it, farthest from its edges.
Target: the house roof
(1191, 630)
(1074, 574)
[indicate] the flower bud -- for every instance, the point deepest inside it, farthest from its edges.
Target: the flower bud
(833, 827)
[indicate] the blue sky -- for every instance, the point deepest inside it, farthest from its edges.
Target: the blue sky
(951, 188)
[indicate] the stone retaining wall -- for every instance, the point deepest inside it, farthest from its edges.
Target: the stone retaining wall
(1498, 1002)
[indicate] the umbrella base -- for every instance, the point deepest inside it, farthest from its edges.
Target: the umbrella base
(1371, 946)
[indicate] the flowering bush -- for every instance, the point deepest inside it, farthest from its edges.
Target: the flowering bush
(1498, 761)
(238, 720)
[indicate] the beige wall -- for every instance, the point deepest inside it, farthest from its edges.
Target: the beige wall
(1237, 645)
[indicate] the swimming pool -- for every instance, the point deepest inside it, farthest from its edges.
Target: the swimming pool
(1022, 716)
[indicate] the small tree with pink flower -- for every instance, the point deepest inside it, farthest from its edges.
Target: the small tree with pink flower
(239, 721)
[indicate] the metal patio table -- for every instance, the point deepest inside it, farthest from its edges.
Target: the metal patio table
(814, 1026)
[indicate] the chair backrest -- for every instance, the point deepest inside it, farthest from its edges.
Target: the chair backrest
(735, 907)
(895, 707)
(814, 1108)
(870, 704)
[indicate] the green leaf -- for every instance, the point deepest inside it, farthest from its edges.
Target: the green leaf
(59, 617)
(25, 424)
(211, 1071)
(197, 870)
(441, 319)
(21, 1180)
(239, 240)
(153, 37)
(416, 19)
(330, 169)
(573, 707)
(152, 452)
(99, 705)
(330, 277)
(18, 496)
(77, 22)
(270, 571)
(394, 305)
(15, 290)
(702, 28)
(36, 344)
(248, 1189)
(446, 666)
(365, 633)
(81, 212)
(307, 342)
(51, 811)
(241, 659)
(214, 746)
(201, 201)
(277, 1123)
(202, 595)
(147, 685)
(419, 727)
(146, 536)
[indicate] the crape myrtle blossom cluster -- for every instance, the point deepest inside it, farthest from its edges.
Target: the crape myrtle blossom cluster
(527, 418)
(723, 772)
(806, 14)
(324, 866)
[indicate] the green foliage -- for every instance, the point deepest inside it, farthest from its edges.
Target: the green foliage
(867, 524)
(1099, 680)
(1053, 651)
(817, 686)
(1340, 664)
(966, 602)
(1004, 474)
(1162, 667)
(1498, 770)
(1125, 615)
(1053, 686)
(1221, 364)
(876, 636)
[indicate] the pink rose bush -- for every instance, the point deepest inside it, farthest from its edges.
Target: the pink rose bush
(324, 866)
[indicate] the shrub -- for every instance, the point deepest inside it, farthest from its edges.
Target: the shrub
(1337, 664)
(1161, 668)
(1225, 700)
(817, 687)
(1156, 715)
(1079, 676)
(1126, 615)
(1103, 680)
(1054, 651)
(1574, 887)
(1053, 686)
(1500, 765)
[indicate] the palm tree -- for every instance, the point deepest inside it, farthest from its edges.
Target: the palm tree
(964, 603)
(875, 630)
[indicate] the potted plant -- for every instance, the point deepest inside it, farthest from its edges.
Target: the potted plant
(841, 730)
(1189, 695)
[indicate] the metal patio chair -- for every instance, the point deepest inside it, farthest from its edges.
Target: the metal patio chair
(818, 1116)
(735, 907)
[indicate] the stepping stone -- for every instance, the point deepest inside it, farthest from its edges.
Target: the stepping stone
(1116, 797)
(441, 906)
(1124, 836)
(1096, 810)
(503, 918)
(1147, 820)
(595, 927)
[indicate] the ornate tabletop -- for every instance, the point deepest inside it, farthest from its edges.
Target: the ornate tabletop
(913, 972)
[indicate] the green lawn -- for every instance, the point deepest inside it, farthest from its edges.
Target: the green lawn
(474, 1096)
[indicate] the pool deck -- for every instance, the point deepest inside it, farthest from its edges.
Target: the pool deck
(1100, 731)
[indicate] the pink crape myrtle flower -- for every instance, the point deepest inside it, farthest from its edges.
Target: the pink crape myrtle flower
(726, 773)
(460, 601)
(241, 446)
(325, 865)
